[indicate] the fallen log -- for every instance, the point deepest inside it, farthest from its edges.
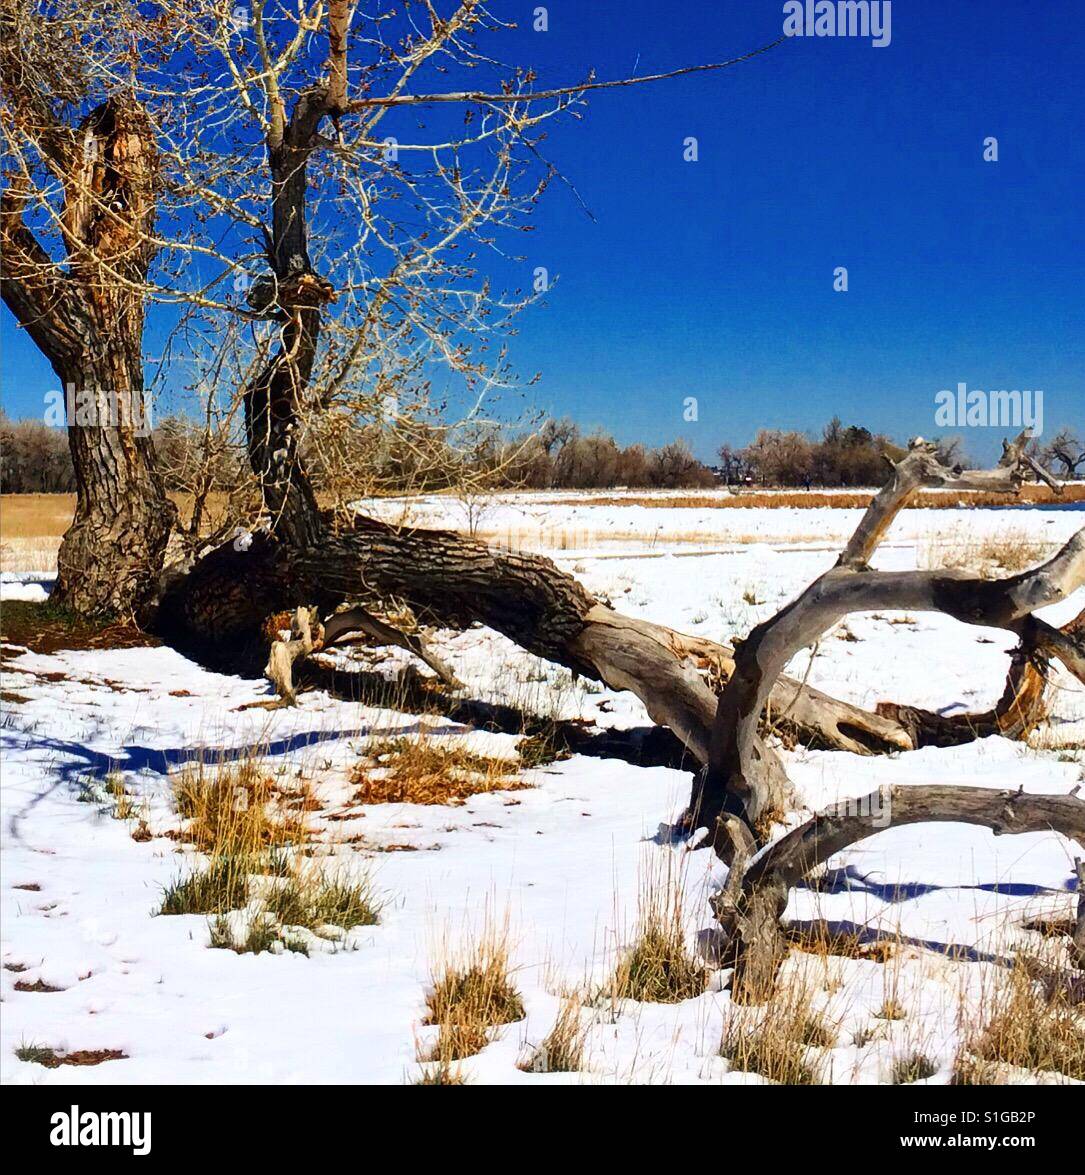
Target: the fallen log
(733, 783)
(750, 907)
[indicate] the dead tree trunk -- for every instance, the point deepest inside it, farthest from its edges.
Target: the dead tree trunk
(1017, 713)
(729, 796)
(749, 909)
(731, 786)
(87, 320)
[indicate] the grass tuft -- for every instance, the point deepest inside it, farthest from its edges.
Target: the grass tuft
(221, 885)
(776, 1045)
(472, 992)
(1029, 1025)
(422, 771)
(562, 1050)
(912, 1067)
(659, 967)
(234, 809)
(312, 900)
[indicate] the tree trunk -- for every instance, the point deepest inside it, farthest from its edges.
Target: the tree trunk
(88, 320)
(111, 555)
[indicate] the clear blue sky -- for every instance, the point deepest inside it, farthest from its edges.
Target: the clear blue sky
(714, 279)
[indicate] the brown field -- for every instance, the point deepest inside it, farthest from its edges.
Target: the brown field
(31, 525)
(1033, 495)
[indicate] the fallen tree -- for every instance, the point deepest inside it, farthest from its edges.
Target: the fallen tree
(749, 909)
(735, 788)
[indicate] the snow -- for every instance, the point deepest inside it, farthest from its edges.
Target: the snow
(561, 859)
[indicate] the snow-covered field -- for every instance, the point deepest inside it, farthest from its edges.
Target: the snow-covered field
(562, 860)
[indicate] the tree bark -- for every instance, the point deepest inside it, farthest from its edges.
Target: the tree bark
(88, 322)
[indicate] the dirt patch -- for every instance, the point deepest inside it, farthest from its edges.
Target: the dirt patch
(37, 985)
(46, 628)
(10, 698)
(51, 1059)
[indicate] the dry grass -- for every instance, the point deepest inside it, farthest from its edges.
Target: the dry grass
(992, 557)
(813, 499)
(441, 1073)
(471, 993)
(124, 807)
(234, 809)
(218, 887)
(777, 1043)
(31, 526)
(53, 1058)
(659, 967)
(562, 1050)
(421, 770)
(1030, 1025)
(913, 1066)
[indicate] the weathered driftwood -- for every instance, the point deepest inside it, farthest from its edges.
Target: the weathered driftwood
(749, 908)
(733, 781)
(1017, 713)
(308, 635)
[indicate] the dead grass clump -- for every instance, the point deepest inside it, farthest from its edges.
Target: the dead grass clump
(1031, 1026)
(777, 1043)
(236, 810)
(912, 1067)
(422, 771)
(562, 1050)
(124, 807)
(220, 886)
(659, 967)
(967, 1070)
(54, 1058)
(310, 899)
(472, 991)
(442, 1073)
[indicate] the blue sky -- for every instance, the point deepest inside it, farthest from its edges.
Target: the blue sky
(714, 279)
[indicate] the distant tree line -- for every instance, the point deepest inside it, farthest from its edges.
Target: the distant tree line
(34, 458)
(853, 456)
(559, 456)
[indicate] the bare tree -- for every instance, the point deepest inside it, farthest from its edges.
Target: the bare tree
(1066, 450)
(76, 239)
